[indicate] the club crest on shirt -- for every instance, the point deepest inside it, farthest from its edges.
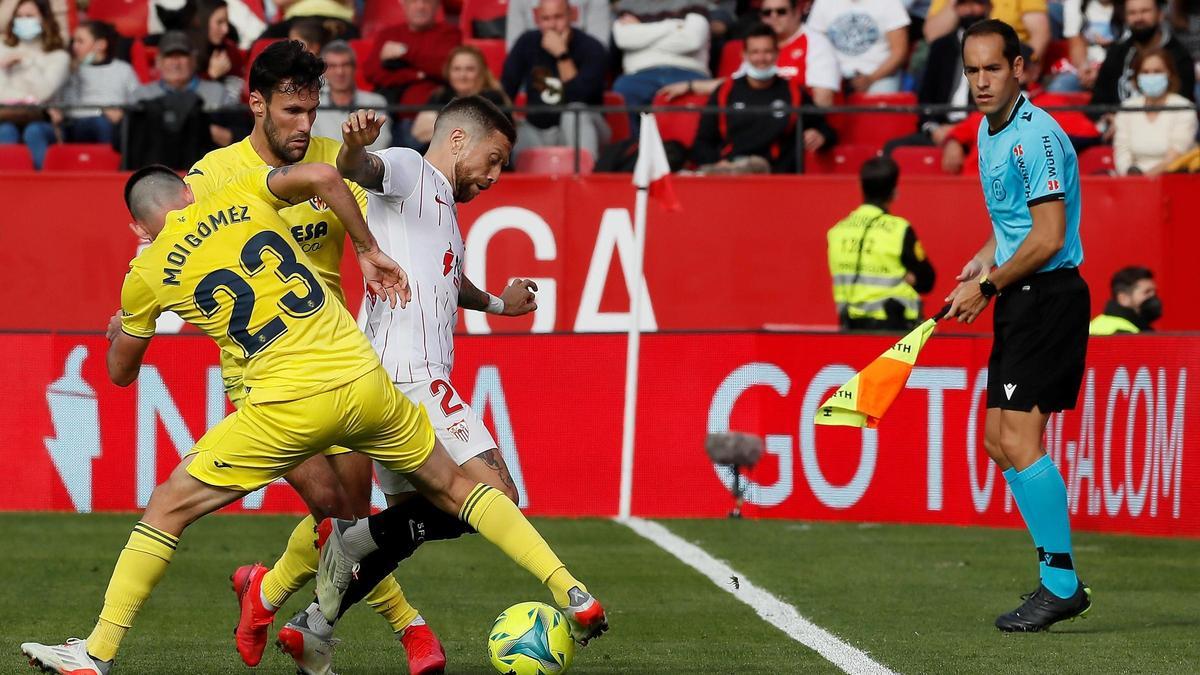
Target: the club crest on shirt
(461, 431)
(318, 204)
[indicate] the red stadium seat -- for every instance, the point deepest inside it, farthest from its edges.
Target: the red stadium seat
(875, 128)
(494, 52)
(1097, 161)
(480, 10)
(379, 14)
(143, 58)
(129, 17)
(731, 58)
(842, 159)
(618, 122)
(362, 51)
(554, 161)
(15, 157)
(917, 160)
(81, 157)
(1068, 98)
(680, 126)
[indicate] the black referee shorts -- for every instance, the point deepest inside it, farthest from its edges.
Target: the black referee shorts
(1040, 343)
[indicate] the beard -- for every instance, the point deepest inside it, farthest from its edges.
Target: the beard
(279, 145)
(462, 184)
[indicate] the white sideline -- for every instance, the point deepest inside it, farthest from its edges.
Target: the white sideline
(770, 608)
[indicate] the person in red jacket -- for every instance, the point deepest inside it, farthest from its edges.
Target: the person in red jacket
(406, 60)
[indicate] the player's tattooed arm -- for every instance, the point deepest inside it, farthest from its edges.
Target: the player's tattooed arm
(470, 297)
(359, 131)
(274, 177)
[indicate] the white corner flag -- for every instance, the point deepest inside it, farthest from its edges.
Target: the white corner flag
(652, 177)
(652, 170)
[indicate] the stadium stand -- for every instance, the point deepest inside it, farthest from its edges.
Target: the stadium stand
(82, 157)
(554, 161)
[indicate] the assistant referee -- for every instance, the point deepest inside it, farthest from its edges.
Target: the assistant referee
(1030, 180)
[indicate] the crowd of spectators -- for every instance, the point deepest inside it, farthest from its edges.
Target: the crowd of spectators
(172, 82)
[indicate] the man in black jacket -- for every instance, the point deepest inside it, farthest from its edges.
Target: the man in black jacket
(556, 65)
(757, 142)
(1144, 18)
(944, 82)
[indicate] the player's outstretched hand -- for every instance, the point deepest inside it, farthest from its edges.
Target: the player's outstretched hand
(361, 128)
(384, 277)
(518, 297)
(114, 327)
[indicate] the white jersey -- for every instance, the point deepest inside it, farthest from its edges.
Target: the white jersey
(415, 221)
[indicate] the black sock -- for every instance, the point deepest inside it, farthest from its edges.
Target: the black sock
(399, 531)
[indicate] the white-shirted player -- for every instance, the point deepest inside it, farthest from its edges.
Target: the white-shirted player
(412, 211)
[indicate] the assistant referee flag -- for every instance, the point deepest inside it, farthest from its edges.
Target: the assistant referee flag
(863, 400)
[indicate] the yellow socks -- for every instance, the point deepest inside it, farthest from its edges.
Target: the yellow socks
(493, 515)
(388, 599)
(295, 567)
(139, 569)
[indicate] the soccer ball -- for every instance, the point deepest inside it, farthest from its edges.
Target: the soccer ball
(531, 638)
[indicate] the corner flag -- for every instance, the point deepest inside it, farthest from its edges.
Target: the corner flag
(863, 400)
(652, 170)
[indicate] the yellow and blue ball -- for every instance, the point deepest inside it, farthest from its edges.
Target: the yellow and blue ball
(531, 638)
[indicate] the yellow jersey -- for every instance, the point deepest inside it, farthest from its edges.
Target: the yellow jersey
(320, 233)
(228, 265)
(315, 228)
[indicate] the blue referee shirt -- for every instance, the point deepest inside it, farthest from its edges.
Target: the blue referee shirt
(1026, 162)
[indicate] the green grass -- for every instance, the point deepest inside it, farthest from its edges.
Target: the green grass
(918, 599)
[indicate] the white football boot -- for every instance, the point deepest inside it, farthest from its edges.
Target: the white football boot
(70, 658)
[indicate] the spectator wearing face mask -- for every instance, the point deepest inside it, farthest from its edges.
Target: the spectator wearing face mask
(33, 66)
(1133, 306)
(1115, 81)
(757, 142)
(1147, 142)
(97, 79)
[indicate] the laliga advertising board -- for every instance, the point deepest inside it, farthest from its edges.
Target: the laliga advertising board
(72, 441)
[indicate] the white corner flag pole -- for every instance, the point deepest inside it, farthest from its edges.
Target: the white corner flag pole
(642, 181)
(632, 351)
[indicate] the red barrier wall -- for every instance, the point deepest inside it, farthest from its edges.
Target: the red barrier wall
(69, 440)
(745, 253)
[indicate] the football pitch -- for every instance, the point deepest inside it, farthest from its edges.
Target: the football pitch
(915, 599)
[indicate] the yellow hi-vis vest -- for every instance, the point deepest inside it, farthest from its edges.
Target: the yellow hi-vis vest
(1107, 324)
(864, 259)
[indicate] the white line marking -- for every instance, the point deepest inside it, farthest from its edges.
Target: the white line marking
(770, 608)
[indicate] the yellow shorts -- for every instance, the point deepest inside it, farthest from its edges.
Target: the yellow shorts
(260, 442)
(236, 391)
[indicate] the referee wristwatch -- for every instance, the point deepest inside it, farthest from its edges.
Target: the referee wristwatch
(987, 288)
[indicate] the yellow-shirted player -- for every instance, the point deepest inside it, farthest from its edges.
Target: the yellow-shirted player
(284, 84)
(225, 264)
(311, 224)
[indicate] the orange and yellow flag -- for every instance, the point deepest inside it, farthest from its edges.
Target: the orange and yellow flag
(863, 400)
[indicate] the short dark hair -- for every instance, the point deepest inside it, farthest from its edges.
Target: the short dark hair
(878, 177)
(1127, 277)
(153, 171)
(1012, 43)
(285, 67)
(760, 30)
(481, 112)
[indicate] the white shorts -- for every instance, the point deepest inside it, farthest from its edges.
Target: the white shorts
(455, 424)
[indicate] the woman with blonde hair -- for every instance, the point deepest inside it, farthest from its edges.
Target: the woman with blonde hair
(1148, 142)
(466, 74)
(33, 66)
